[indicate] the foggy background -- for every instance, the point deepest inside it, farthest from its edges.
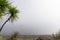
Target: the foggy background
(36, 17)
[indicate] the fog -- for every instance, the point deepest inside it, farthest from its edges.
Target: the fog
(36, 17)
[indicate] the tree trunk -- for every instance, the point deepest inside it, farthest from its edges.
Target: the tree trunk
(4, 23)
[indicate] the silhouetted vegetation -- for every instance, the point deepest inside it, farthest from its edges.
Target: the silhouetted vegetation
(39, 38)
(56, 36)
(13, 36)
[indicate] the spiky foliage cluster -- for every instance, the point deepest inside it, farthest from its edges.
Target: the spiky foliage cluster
(13, 13)
(7, 8)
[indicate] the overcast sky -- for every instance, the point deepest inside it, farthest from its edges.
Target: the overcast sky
(36, 17)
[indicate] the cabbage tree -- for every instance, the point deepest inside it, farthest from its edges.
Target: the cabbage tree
(7, 9)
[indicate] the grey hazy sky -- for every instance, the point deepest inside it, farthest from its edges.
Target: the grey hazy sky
(36, 17)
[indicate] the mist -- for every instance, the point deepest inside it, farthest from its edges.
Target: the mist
(36, 17)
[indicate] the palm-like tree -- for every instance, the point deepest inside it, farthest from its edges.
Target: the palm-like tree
(7, 8)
